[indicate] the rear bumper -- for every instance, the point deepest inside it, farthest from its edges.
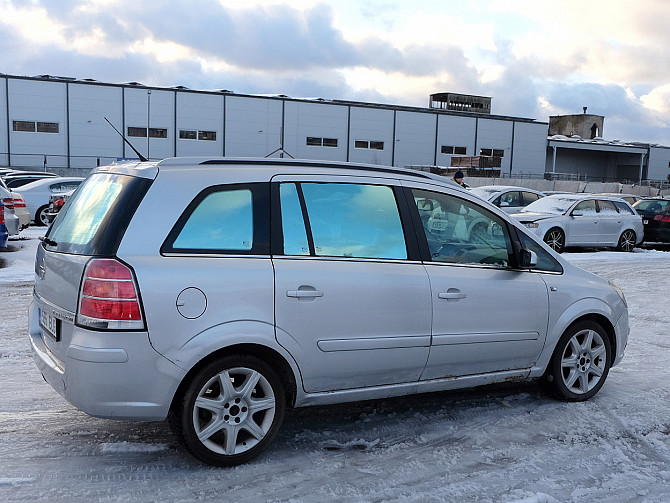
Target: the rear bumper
(113, 375)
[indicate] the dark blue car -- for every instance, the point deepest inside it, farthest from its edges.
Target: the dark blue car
(3, 229)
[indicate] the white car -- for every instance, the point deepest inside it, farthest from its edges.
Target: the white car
(585, 220)
(265, 284)
(37, 194)
(508, 198)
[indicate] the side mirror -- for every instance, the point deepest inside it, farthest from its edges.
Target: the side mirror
(577, 213)
(527, 258)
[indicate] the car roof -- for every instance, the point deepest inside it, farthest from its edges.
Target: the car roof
(279, 165)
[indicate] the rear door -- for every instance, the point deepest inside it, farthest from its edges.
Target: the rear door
(611, 223)
(584, 224)
(487, 316)
(352, 302)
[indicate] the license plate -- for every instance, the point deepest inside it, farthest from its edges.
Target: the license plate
(50, 324)
(645, 222)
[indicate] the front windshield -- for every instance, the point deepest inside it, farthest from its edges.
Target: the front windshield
(556, 205)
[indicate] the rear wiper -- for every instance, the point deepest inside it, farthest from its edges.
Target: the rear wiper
(48, 241)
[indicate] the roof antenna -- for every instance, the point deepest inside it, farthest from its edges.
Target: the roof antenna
(142, 158)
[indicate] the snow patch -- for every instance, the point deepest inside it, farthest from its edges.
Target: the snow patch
(125, 447)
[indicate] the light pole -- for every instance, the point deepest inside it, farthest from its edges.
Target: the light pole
(148, 122)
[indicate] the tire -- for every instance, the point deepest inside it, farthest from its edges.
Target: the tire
(41, 218)
(580, 363)
(627, 241)
(230, 411)
(555, 238)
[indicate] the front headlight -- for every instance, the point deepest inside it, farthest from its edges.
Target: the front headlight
(620, 292)
(531, 225)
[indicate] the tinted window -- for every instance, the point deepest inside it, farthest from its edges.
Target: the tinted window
(352, 220)
(293, 224)
(222, 221)
(624, 208)
(587, 207)
(607, 207)
(95, 218)
(529, 197)
(458, 231)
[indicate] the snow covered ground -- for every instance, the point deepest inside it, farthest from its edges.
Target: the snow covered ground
(500, 444)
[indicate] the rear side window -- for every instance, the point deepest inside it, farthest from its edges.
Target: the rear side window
(97, 215)
(224, 219)
(624, 208)
(345, 220)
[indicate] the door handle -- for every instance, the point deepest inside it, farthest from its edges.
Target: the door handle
(304, 294)
(452, 294)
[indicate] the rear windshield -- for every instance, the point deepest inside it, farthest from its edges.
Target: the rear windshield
(96, 216)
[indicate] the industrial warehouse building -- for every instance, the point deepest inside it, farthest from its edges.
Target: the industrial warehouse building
(59, 123)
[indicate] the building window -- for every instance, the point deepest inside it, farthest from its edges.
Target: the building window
(157, 132)
(450, 149)
(492, 152)
(137, 131)
(207, 135)
(24, 126)
(47, 127)
(188, 134)
(312, 141)
(374, 145)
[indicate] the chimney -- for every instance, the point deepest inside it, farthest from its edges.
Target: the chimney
(585, 109)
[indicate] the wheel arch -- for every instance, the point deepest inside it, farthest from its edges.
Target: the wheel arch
(264, 353)
(604, 322)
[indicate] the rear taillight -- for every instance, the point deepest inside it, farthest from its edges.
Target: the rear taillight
(109, 297)
(19, 202)
(8, 202)
(59, 202)
(2, 215)
(662, 218)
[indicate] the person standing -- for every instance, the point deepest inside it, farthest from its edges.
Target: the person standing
(458, 178)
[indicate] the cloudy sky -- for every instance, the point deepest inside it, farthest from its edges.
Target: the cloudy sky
(535, 58)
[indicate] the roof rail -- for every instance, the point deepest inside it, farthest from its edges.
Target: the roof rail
(325, 164)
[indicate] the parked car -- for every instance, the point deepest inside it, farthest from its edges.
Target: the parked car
(273, 283)
(3, 228)
(583, 220)
(11, 220)
(56, 203)
(21, 211)
(508, 198)
(36, 195)
(655, 213)
(14, 180)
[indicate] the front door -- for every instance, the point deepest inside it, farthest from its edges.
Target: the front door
(584, 225)
(487, 317)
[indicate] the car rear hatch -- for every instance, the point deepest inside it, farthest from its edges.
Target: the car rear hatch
(90, 226)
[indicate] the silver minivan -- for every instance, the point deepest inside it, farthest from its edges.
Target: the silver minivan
(217, 292)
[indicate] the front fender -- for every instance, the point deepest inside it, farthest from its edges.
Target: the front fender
(582, 308)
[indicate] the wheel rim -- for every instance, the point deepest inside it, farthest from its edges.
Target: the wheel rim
(234, 411)
(555, 240)
(583, 362)
(627, 241)
(43, 218)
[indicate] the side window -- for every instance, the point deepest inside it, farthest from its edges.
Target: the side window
(460, 232)
(529, 197)
(224, 219)
(607, 207)
(623, 208)
(293, 224)
(509, 199)
(354, 220)
(588, 207)
(545, 262)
